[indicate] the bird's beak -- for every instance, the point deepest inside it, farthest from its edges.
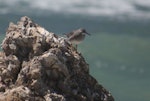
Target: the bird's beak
(87, 33)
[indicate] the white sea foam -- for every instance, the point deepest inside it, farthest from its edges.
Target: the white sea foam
(124, 8)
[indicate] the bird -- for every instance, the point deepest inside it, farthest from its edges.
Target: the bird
(77, 36)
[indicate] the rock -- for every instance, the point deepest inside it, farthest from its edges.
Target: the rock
(37, 65)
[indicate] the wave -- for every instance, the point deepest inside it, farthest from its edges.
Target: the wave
(110, 8)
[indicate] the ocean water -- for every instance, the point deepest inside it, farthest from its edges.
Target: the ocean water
(116, 8)
(118, 51)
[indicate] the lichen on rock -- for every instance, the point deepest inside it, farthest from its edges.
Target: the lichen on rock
(37, 65)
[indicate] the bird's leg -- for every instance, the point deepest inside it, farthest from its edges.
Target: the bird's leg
(76, 47)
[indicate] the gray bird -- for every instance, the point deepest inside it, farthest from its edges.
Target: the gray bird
(77, 36)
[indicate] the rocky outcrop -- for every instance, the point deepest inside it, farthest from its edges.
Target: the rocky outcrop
(37, 65)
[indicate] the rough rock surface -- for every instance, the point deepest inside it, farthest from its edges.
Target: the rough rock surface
(37, 65)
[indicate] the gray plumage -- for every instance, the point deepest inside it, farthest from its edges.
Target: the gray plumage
(77, 36)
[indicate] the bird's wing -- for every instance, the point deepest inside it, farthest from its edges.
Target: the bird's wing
(74, 36)
(69, 34)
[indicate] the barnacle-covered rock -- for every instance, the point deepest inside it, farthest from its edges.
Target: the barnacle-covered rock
(37, 65)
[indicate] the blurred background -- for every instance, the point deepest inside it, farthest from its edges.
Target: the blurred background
(118, 51)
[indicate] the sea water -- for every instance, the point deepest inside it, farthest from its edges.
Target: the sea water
(118, 50)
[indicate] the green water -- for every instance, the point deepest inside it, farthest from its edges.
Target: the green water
(118, 52)
(1, 38)
(120, 63)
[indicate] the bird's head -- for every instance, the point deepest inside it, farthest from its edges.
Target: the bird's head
(82, 30)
